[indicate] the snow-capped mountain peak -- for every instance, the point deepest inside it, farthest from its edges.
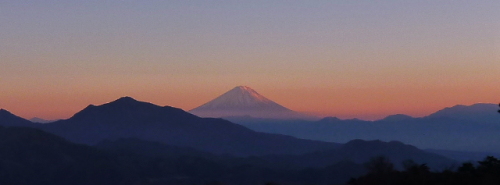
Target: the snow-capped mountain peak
(243, 101)
(241, 98)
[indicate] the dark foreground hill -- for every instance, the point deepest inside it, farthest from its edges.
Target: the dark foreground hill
(32, 156)
(360, 151)
(335, 166)
(239, 170)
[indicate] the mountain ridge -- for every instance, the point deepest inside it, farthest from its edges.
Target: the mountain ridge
(471, 128)
(127, 117)
(482, 111)
(8, 119)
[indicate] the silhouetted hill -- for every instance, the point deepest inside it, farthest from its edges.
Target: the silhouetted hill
(397, 152)
(397, 117)
(126, 118)
(240, 170)
(31, 156)
(360, 151)
(329, 119)
(9, 119)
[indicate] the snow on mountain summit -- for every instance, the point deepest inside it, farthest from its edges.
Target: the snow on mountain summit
(243, 101)
(241, 98)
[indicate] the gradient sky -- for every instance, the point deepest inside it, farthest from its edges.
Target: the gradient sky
(365, 59)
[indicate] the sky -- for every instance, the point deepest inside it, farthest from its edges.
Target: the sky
(351, 59)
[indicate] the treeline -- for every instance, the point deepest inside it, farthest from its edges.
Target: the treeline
(381, 172)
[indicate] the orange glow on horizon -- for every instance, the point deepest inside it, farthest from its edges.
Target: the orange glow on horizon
(346, 103)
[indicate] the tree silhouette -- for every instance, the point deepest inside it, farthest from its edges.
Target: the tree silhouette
(379, 165)
(380, 171)
(487, 172)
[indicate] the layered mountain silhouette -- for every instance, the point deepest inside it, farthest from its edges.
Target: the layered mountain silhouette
(244, 101)
(461, 128)
(32, 156)
(340, 164)
(127, 117)
(471, 128)
(136, 142)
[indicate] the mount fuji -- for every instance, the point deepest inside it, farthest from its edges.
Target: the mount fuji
(244, 101)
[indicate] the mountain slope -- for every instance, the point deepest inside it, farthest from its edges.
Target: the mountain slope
(8, 119)
(126, 118)
(244, 101)
(481, 112)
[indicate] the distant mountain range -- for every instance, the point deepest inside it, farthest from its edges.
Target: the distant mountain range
(460, 128)
(481, 112)
(471, 128)
(244, 101)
